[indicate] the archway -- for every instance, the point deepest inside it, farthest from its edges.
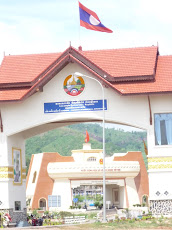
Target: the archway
(93, 156)
(37, 96)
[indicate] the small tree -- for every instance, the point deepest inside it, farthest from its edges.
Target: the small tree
(96, 204)
(35, 213)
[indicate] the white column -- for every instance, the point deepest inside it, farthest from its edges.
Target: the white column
(10, 192)
(133, 197)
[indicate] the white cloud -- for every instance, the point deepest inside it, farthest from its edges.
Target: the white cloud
(48, 26)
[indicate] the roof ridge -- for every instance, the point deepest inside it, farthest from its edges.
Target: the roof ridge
(17, 55)
(127, 48)
(167, 55)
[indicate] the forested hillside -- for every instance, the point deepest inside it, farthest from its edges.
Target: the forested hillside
(63, 140)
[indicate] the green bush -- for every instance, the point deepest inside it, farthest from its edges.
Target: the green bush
(63, 214)
(46, 212)
(35, 213)
(96, 204)
(98, 197)
(100, 206)
(136, 205)
(80, 198)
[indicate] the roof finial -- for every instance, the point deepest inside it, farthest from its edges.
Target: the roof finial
(69, 43)
(80, 48)
(158, 47)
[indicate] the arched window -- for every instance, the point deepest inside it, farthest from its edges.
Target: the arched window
(34, 177)
(91, 159)
(42, 204)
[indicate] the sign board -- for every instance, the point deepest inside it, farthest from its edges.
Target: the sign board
(74, 106)
(75, 200)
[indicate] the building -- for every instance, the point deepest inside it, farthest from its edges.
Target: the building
(34, 97)
(50, 174)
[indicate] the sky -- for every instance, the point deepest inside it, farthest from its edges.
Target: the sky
(48, 26)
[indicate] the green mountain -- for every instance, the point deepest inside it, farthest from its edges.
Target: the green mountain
(65, 139)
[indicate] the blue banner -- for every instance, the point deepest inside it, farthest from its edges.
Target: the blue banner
(74, 106)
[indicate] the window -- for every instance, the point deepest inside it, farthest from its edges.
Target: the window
(91, 159)
(42, 203)
(34, 177)
(54, 201)
(17, 205)
(163, 128)
(116, 196)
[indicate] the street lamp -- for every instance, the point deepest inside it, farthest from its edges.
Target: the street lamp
(103, 120)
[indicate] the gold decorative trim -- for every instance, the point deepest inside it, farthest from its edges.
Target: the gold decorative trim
(23, 170)
(7, 172)
(159, 159)
(160, 166)
(11, 176)
(6, 169)
(6, 176)
(23, 176)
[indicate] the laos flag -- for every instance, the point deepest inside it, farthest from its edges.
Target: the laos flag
(90, 20)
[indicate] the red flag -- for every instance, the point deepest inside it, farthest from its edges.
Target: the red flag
(90, 20)
(87, 137)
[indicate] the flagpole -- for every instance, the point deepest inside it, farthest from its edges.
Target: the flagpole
(103, 121)
(79, 32)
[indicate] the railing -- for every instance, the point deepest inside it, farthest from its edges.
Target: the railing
(74, 219)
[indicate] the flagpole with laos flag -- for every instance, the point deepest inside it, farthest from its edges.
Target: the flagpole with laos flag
(90, 20)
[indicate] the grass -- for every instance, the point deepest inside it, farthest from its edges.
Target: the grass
(159, 223)
(147, 222)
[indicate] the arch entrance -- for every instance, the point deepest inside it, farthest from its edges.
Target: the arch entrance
(91, 160)
(40, 93)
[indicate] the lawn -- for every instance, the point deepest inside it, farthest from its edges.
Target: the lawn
(156, 223)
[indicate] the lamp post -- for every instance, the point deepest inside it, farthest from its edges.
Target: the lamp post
(103, 121)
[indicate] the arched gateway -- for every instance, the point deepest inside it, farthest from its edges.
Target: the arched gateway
(40, 92)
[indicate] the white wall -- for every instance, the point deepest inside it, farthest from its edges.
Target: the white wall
(3, 150)
(30, 113)
(9, 192)
(4, 193)
(63, 188)
(133, 197)
(160, 182)
(122, 197)
(159, 104)
(36, 164)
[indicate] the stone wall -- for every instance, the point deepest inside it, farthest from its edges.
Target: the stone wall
(161, 207)
(18, 216)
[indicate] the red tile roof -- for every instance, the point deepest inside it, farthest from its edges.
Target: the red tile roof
(162, 83)
(24, 68)
(125, 68)
(125, 62)
(12, 94)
